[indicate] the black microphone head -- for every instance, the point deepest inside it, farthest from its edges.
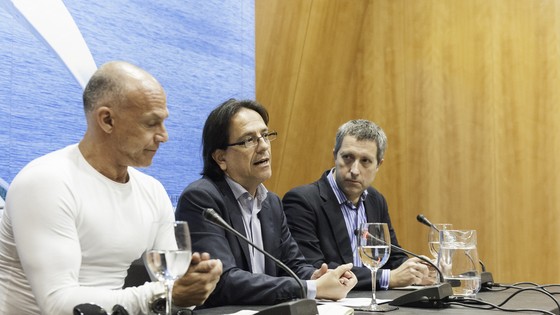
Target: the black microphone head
(422, 219)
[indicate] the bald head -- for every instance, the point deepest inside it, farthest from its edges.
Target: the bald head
(113, 81)
(125, 111)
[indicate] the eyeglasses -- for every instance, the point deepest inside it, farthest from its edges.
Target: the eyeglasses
(253, 141)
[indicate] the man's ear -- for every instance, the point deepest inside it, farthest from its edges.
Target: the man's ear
(380, 162)
(105, 118)
(220, 157)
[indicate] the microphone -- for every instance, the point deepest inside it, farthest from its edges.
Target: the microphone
(486, 279)
(422, 219)
(435, 296)
(298, 307)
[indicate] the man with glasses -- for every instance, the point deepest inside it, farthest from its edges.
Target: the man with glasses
(325, 215)
(237, 160)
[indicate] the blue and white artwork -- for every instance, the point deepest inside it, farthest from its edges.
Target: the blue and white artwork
(202, 52)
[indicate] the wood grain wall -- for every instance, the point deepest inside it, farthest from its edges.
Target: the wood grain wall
(468, 93)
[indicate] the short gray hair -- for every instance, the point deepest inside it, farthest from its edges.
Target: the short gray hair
(110, 84)
(362, 130)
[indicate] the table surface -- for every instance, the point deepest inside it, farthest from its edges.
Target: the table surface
(523, 300)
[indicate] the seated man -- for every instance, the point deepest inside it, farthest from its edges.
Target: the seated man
(237, 160)
(324, 216)
(77, 218)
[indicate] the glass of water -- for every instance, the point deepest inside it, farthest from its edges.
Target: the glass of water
(170, 256)
(374, 248)
(458, 261)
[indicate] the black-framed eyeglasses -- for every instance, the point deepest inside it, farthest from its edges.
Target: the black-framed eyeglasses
(253, 141)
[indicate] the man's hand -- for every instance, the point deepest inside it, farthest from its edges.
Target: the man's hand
(335, 284)
(412, 272)
(319, 272)
(199, 281)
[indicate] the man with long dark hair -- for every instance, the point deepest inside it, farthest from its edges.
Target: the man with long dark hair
(237, 160)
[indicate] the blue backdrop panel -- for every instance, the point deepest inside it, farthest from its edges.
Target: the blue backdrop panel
(202, 52)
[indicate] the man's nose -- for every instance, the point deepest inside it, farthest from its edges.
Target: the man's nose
(162, 136)
(354, 169)
(262, 144)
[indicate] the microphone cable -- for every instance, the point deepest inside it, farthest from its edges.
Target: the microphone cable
(518, 286)
(489, 286)
(481, 304)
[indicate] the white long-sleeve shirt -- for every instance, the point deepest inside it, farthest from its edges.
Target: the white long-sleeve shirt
(69, 235)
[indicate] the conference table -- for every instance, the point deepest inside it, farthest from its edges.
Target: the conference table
(523, 300)
(526, 300)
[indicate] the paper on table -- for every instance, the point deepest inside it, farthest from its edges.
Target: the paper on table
(244, 312)
(409, 288)
(328, 307)
(325, 309)
(353, 302)
(334, 309)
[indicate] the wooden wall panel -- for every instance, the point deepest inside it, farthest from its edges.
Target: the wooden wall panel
(320, 82)
(527, 139)
(467, 92)
(281, 30)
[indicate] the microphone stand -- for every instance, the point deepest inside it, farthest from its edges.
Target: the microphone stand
(297, 307)
(435, 296)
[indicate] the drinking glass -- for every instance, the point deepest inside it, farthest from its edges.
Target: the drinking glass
(374, 248)
(458, 261)
(433, 237)
(170, 256)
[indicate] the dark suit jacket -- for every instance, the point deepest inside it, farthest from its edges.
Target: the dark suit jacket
(317, 224)
(238, 285)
